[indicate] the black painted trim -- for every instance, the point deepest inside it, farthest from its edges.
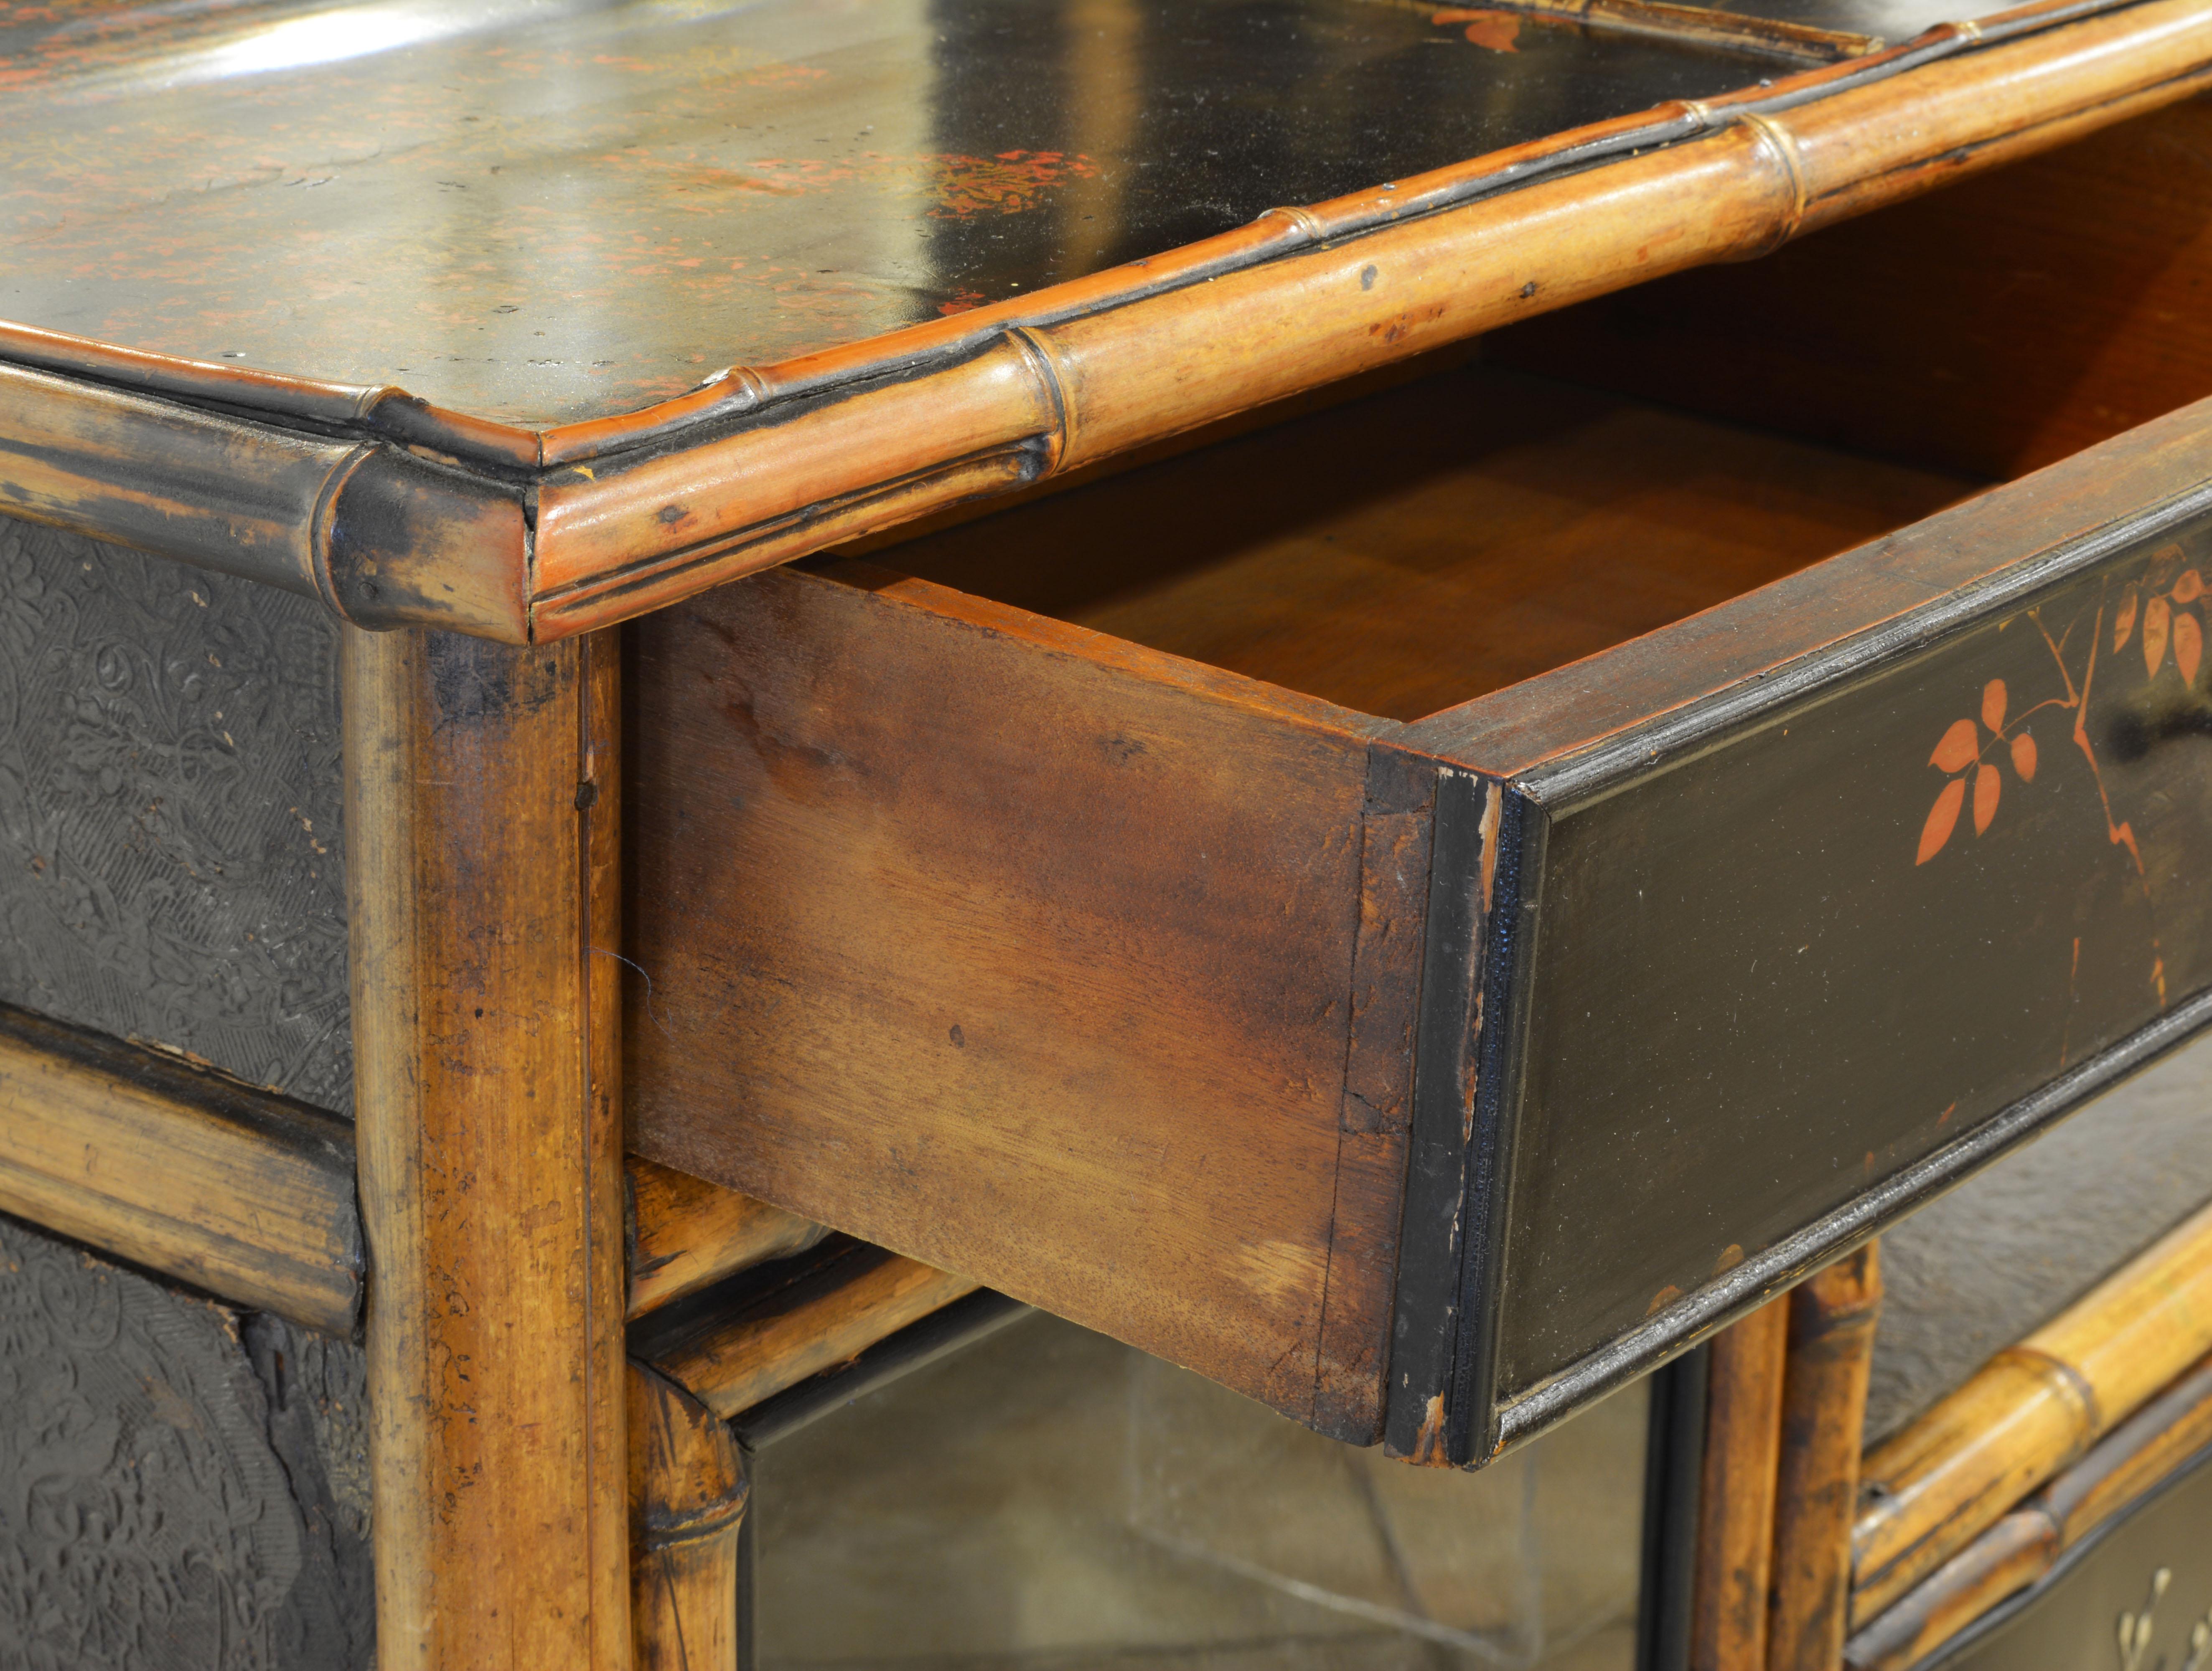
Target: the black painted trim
(956, 1327)
(1673, 1474)
(1763, 1275)
(1427, 1311)
(1508, 972)
(1571, 781)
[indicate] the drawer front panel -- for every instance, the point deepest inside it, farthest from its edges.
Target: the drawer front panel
(1793, 954)
(1820, 949)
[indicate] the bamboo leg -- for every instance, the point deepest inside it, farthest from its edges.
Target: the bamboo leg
(688, 1504)
(1736, 1518)
(1831, 1323)
(479, 808)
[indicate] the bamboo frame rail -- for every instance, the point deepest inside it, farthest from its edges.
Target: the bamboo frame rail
(481, 790)
(2032, 1410)
(240, 1191)
(1735, 1503)
(2026, 1544)
(732, 1351)
(250, 1195)
(394, 514)
(1831, 1357)
(685, 1234)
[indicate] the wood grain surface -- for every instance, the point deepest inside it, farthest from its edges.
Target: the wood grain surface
(2036, 1408)
(1833, 1315)
(1433, 542)
(236, 1191)
(488, 1157)
(688, 1496)
(1736, 1500)
(1016, 950)
(686, 1233)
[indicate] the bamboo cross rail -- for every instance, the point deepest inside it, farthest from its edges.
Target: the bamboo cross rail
(2023, 1544)
(250, 1195)
(2033, 1409)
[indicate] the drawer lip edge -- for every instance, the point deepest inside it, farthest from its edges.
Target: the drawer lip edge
(1527, 733)
(1690, 1321)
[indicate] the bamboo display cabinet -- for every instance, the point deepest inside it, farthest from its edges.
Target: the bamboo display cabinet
(724, 721)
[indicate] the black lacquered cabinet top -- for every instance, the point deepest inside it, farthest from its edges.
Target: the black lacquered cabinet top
(543, 212)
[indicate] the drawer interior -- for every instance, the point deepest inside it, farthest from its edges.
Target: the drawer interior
(1426, 545)
(1602, 471)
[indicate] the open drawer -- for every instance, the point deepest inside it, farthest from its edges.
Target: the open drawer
(1422, 912)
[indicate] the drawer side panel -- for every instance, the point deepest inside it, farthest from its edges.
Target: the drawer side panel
(984, 940)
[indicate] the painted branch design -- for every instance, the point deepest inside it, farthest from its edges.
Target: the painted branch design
(2159, 613)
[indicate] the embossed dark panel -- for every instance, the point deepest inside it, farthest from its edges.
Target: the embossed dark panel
(178, 1486)
(170, 862)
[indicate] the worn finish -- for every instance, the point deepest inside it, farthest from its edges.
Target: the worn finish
(687, 1493)
(685, 1233)
(172, 865)
(771, 462)
(244, 1194)
(733, 1346)
(489, 1152)
(1832, 1329)
(2157, 1451)
(1074, 975)
(551, 213)
(1744, 1398)
(179, 1485)
(2035, 1408)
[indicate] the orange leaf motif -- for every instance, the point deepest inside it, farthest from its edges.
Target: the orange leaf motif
(2023, 757)
(2188, 644)
(1495, 31)
(2123, 621)
(1957, 749)
(1942, 818)
(2156, 616)
(1993, 704)
(1987, 784)
(2189, 587)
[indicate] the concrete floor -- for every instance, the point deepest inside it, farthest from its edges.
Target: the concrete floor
(1051, 1499)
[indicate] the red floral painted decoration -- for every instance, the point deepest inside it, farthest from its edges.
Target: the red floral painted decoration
(2165, 625)
(1962, 747)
